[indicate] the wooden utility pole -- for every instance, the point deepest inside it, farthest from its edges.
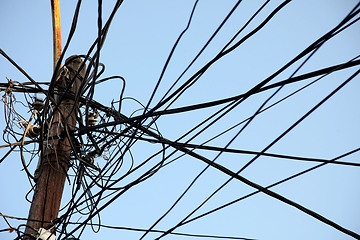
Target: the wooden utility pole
(56, 151)
(56, 24)
(56, 148)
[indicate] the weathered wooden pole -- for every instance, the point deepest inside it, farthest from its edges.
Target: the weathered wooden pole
(56, 149)
(56, 24)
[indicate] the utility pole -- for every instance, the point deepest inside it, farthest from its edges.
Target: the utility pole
(57, 139)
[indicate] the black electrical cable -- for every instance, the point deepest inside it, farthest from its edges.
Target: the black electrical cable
(270, 193)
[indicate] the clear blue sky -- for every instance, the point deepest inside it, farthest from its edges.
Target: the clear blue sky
(137, 46)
